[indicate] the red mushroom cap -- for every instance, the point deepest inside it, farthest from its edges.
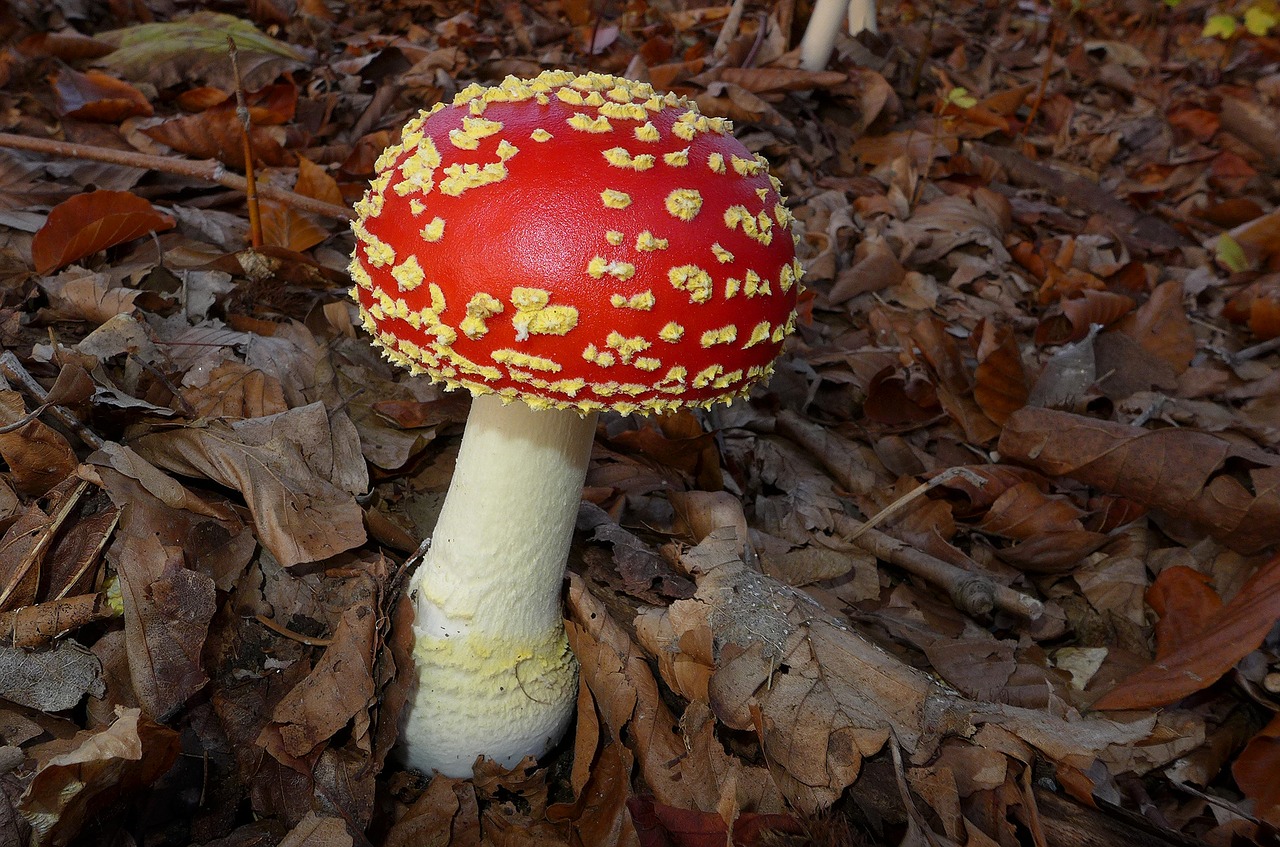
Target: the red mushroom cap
(576, 242)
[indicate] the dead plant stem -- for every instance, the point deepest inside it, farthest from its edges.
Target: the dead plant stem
(209, 170)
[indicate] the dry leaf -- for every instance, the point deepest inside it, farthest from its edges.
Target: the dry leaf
(1228, 636)
(102, 768)
(1177, 471)
(336, 691)
(1255, 772)
(90, 222)
(298, 472)
(50, 679)
(95, 96)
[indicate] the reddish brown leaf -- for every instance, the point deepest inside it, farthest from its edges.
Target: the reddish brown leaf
(217, 133)
(1180, 472)
(1071, 319)
(1200, 124)
(1228, 636)
(1186, 603)
(1264, 315)
(91, 222)
(95, 96)
(1160, 325)
(1255, 772)
(895, 399)
(1000, 383)
(39, 457)
(285, 227)
(315, 181)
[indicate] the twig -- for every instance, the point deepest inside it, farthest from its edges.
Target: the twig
(971, 592)
(1260, 349)
(915, 494)
(13, 370)
(210, 170)
(35, 554)
(288, 633)
(33, 626)
(246, 127)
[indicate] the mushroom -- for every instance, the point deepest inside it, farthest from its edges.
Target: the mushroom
(824, 25)
(558, 246)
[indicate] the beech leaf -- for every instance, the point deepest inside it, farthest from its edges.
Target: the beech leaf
(87, 223)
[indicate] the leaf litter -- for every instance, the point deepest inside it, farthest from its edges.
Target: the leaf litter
(992, 557)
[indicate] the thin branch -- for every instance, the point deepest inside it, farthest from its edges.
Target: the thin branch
(209, 170)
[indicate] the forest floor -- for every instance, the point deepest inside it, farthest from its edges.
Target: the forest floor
(1038, 345)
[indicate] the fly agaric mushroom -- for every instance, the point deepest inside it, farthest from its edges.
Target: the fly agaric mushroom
(558, 246)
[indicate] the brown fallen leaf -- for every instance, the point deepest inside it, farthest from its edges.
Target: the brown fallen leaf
(1186, 474)
(96, 96)
(32, 626)
(50, 679)
(298, 472)
(93, 221)
(822, 698)
(1255, 772)
(100, 770)
(336, 691)
(39, 457)
(1228, 636)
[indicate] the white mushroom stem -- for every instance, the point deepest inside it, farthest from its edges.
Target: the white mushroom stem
(824, 26)
(495, 674)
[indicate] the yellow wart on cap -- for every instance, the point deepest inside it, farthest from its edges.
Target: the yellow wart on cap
(672, 332)
(524, 360)
(621, 158)
(647, 132)
(480, 308)
(585, 123)
(599, 266)
(627, 347)
(615, 199)
(460, 178)
(692, 279)
(759, 333)
(593, 354)
(408, 274)
(684, 203)
(647, 243)
(641, 302)
(723, 335)
(433, 231)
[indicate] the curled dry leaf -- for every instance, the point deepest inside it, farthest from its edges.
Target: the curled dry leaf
(336, 691)
(217, 133)
(39, 457)
(1227, 637)
(73, 787)
(87, 223)
(999, 381)
(298, 472)
(1161, 326)
(1073, 318)
(96, 96)
(821, 697)
(1188, 475)
(1255, 772)
(1186, 604)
